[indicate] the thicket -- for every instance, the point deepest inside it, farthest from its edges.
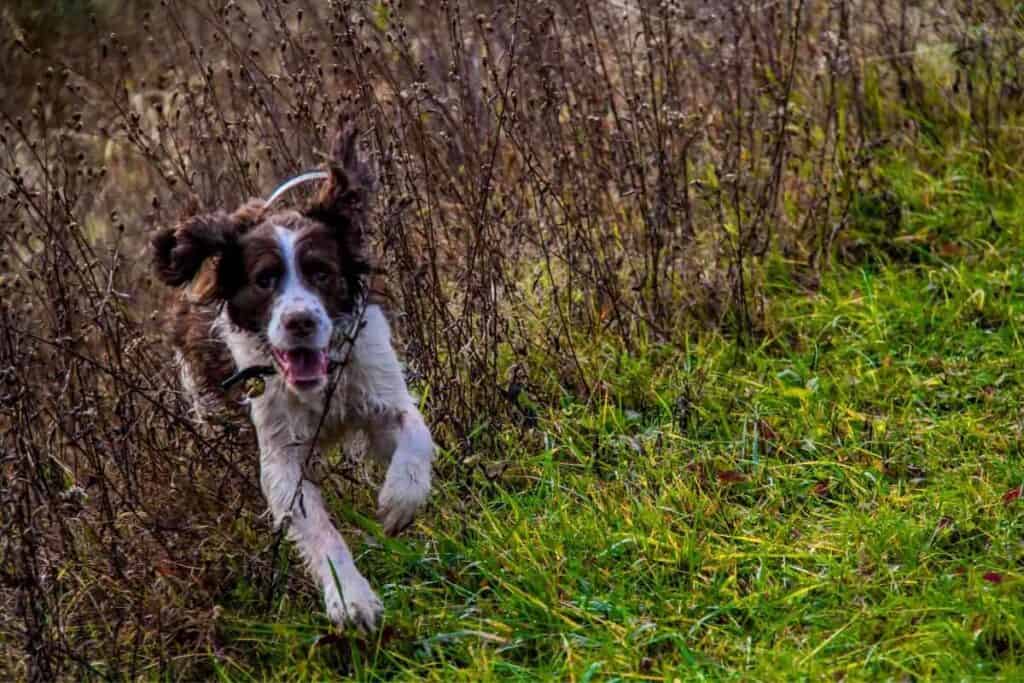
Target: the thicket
(548, 171)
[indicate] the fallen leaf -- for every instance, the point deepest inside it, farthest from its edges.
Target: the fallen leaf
(821, 489)
(697, 469)
(1012, 495)
(766, 432)
(950, 249)
(165, 568)
(731, 477)
(993, 577)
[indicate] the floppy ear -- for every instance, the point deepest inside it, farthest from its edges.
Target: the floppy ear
(179, 252)
(343, 200)
(342, 204)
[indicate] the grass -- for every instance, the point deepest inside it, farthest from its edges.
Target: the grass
(836, 502)
(839, 498)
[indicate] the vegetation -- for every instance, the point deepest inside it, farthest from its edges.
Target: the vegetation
(716, 320)
(841, 500)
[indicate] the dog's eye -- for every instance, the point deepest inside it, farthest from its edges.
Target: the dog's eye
(321, 278)
(266, 280)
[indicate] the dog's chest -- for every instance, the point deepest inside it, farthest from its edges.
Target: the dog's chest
(282, 415)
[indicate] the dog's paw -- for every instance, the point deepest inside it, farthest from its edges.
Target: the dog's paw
(403, 494)
(355, 604)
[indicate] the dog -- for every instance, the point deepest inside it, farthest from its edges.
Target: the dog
(284, 294)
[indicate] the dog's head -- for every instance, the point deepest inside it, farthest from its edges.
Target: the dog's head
(285, 277)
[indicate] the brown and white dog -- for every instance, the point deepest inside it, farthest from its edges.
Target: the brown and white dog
(285, 290)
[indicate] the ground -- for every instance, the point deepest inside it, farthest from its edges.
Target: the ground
(840, 498)
(815, 472)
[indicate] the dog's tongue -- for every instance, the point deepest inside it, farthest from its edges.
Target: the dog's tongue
(303, 365)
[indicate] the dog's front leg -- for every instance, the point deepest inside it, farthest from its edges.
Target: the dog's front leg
(347, 594)
(402, 440)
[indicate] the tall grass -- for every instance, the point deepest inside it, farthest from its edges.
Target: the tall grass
(549, 173)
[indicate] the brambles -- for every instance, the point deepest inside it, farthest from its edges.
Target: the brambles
(549, 173)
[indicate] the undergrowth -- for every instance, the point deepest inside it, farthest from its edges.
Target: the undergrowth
(712, 307)
(840, 501)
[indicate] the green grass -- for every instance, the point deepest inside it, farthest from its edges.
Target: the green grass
(830, 504)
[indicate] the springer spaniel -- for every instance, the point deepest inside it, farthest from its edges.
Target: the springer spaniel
(284, 293)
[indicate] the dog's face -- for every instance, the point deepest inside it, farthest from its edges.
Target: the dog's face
(285, 278)
(287, 286)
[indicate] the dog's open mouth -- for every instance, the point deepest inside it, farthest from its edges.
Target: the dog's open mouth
(302, 368)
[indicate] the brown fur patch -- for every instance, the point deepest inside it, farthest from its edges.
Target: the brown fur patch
(203, 287)
(206, 357)
(220, 257)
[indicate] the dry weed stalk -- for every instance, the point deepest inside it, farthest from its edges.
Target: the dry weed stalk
(548, 171)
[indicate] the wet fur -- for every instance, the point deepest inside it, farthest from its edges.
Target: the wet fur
(220, 322)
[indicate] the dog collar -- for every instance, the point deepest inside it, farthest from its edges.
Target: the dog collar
(297, 180)
(252, 378)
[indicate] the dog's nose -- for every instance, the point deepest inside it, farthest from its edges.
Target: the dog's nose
(300, 323)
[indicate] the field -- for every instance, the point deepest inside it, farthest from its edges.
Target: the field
(731, 392)
(840, 500)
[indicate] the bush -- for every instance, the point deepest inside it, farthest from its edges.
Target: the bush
(548, 172)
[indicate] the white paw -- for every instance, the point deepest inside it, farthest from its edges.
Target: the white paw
(405, 489)
(355, 604)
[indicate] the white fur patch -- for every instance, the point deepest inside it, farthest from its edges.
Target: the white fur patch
(370, 396)
(294, 297)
